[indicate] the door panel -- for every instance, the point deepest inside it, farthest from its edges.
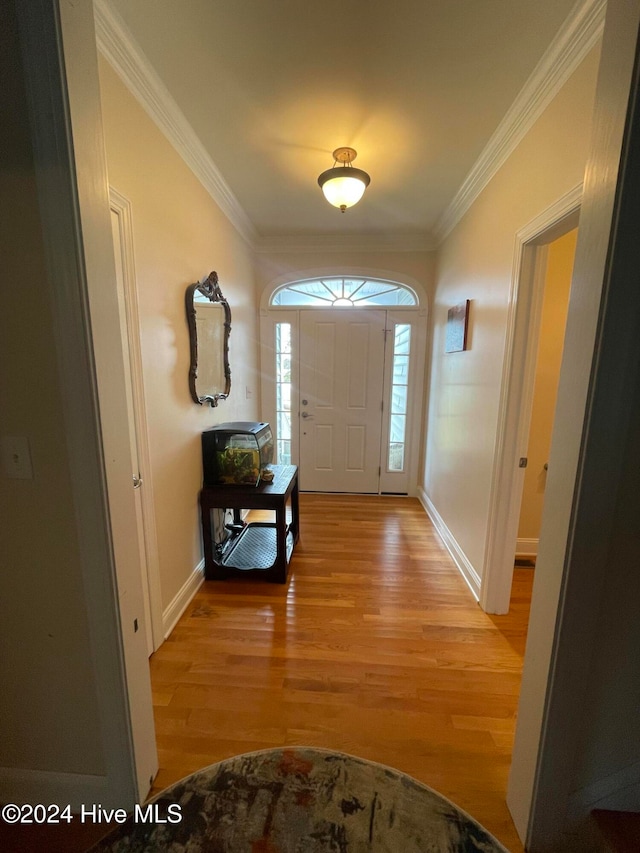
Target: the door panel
(358, 365)
(341, 377)
(323, 447)
(325, 346)
(135, 461)
(356, 448)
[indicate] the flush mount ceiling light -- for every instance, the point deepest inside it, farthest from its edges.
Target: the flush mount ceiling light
(343, 186)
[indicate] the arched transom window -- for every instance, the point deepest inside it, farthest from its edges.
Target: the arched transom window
(344, 293)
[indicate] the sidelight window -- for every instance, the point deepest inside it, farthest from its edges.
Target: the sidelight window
(399, 397)
(283, 393)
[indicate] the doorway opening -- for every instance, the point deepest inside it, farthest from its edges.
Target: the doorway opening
(342, 381)
(524, 342)
(558, 258)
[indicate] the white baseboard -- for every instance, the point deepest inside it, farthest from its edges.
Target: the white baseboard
(181, 601)
(620, 792)
(49, 788)
(459, 557)
(527, 547)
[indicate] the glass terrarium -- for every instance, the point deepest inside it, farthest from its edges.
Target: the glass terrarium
(236, 453)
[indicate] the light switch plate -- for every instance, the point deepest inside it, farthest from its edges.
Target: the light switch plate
(16, 457)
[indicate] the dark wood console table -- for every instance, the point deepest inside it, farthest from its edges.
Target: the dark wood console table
(257, 549)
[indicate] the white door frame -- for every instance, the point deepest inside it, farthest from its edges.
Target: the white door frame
(574, 602)
(514, 416)
(151, 590)
(72, 185)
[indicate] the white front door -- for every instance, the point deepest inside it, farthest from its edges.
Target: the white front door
(341, 392)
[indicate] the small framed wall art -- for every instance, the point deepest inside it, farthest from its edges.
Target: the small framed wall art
(457, 324)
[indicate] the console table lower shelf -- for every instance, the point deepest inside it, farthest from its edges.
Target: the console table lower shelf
(255, 548)
(261, 549)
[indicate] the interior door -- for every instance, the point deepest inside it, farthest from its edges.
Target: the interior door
(341, 386)
(136, 479)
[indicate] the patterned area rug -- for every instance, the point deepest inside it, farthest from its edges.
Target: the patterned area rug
(300, 800)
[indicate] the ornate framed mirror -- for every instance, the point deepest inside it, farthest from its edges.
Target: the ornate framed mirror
(209, 320)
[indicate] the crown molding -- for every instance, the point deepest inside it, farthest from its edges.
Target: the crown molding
(578, 35)
(580, 32)
(344, 243)
(128, 60)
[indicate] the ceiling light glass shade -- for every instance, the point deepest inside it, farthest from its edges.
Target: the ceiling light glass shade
(343, 186)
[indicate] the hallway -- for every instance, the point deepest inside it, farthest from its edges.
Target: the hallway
(375, 647)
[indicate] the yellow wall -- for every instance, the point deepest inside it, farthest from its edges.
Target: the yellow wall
(476, 262)
(180, 235)
(552, 325)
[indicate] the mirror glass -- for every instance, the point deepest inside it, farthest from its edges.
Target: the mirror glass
(209, 319)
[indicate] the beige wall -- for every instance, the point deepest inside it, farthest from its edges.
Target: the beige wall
(552, 325)
(48, 707)
(476, 262)
(180, 235)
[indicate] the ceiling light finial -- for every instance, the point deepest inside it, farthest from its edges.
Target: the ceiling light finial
(343, 186)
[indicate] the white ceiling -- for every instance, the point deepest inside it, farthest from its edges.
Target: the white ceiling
(272, 87)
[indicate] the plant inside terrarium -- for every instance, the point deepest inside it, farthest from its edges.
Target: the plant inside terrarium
(239, 465)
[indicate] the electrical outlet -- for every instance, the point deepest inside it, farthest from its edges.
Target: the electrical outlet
(16, 457)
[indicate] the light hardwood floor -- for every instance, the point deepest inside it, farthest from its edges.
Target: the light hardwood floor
(375, 647)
